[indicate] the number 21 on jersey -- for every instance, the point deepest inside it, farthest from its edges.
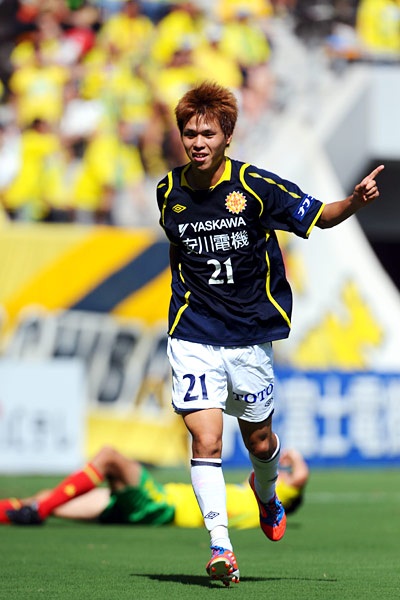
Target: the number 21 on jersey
(223, 272)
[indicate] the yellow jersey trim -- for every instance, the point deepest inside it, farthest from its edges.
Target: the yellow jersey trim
(179, 313)
(273, 182)
(167, 193)
(248, 188)
(317, 216)
(268, 278)
(226, 175)
(268, 290)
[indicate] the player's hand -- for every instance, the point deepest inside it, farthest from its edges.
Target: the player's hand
(367, 190)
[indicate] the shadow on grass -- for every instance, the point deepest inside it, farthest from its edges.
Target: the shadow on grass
(204, 582)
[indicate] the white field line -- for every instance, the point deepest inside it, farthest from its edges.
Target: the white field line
(351, 497)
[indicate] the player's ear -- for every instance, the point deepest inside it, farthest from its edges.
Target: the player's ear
(228, 140)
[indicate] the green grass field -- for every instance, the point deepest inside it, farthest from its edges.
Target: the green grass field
(343, 544)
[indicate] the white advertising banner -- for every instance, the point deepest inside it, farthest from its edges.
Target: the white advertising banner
(42, 416)
(333, 418)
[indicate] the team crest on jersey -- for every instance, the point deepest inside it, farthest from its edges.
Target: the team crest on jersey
(178, 208)
(235, 202)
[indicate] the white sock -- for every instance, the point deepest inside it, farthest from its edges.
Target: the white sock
(266, 474)
(220, 537)
(209, 487)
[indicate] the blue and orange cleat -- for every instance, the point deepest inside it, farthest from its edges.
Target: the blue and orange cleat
(223, 566)
(272, 515)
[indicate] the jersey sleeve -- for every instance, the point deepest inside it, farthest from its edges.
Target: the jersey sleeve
(161, 191)
(284, 206)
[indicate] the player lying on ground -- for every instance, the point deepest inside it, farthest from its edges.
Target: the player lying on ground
(134, 497)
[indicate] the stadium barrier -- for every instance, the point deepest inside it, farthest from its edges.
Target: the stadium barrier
(334, 418)
(99, 297)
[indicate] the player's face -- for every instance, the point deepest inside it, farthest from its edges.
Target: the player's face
(204, 143)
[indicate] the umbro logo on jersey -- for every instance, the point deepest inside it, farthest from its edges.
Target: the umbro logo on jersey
(211, 515)
(178, 208)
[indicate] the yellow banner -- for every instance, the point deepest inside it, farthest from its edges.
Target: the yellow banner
(101, 269)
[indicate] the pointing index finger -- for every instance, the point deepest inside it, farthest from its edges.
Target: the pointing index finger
(375, 172)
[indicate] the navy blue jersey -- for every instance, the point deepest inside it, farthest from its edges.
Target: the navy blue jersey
(228, 277)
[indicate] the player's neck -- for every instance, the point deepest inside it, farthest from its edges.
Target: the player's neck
(204, 180)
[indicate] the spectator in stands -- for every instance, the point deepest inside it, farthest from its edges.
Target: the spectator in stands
(378, 28)
(81, 116)
(82, 67)
(226, 10)
(245, 40)
(10, 155)
(130, 31)
(184, 21)
(10, 28)
(111, 173)
(160, 145)
(109, 77)
(176, 76)
(214, 63)
(39, 179)
(37, 84)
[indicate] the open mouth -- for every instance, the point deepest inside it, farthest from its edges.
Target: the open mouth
(199, 157)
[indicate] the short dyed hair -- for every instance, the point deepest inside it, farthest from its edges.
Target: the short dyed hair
(208, 99)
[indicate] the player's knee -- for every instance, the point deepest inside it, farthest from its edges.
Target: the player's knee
(106, 455)
(263, 449)
(207, 445)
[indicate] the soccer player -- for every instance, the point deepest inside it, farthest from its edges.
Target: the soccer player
(134, 497)
(230, 301)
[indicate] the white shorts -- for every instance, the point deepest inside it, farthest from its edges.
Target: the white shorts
(239, 380)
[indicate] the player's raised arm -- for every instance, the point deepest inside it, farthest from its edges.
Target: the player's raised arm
(364, 193)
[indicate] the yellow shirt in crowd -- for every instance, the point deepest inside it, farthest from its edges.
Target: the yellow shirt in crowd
(378, 26)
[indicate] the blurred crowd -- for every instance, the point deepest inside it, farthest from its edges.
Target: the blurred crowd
(88, 88)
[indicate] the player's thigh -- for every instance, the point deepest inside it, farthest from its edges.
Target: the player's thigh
(251, 382)
(199, 380)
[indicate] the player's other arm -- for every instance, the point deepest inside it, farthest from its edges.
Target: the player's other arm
(294, 469)
(364, 193)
